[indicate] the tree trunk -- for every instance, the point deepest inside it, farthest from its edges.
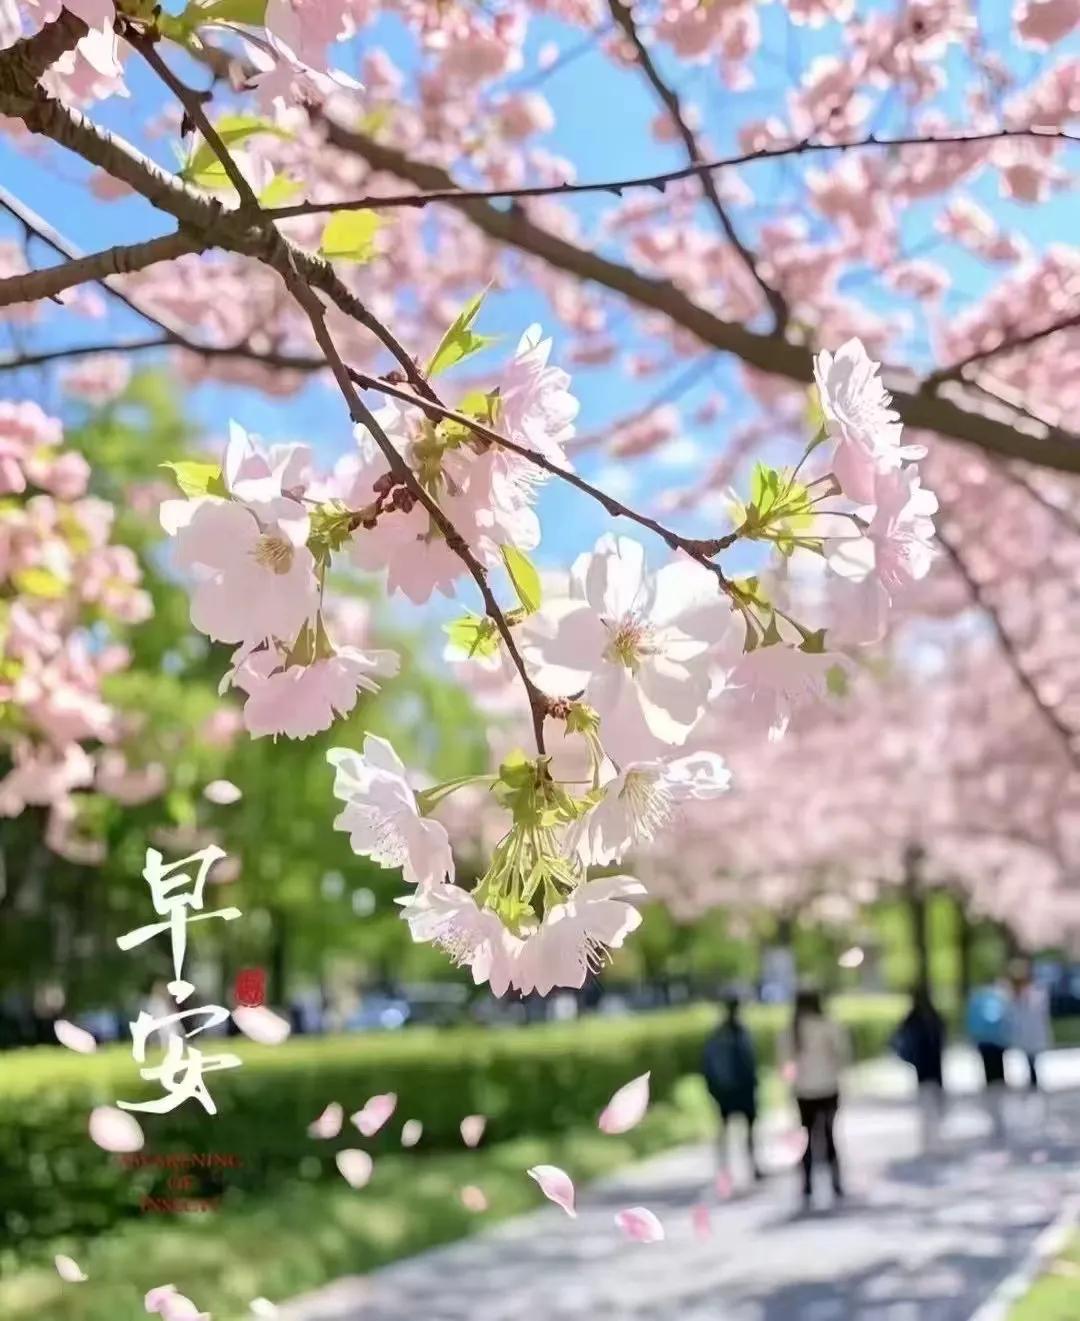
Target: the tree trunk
(915, 897)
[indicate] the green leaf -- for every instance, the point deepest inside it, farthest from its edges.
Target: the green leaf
(251, 13)
(279, 190)
(836, 681)
(204, 169)
(473, 635)
(350, 236)
(194, 478)
(460, 341)
(523, 575)
(35, 580)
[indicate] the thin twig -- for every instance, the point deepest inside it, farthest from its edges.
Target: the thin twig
(1008, 646)
(805, 147)
(955, 371)
(623, 16)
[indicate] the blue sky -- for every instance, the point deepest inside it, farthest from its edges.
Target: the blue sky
(603, 118)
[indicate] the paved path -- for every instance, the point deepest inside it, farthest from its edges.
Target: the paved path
(918, 1240)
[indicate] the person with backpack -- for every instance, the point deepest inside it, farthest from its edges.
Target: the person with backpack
(730, 1070)
(920, 1042)
(813, 1054)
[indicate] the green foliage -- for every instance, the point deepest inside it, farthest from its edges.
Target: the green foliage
(251, 13)
(473, 635)
(532, 1081)
(195, 478)
(203, 167)
(350, 236)
(525, 578)
(460, 341)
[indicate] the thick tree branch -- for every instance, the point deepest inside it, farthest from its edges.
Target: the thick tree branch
(624, 18)
(28, 59)
(960, 416)
(98, 266)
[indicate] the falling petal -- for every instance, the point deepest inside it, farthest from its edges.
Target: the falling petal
(556, 1185)
(328, 1124)
(639, 1223)
(261, 1025)
(472, 1129)
(724, 1186)
(411, 1132)
(627, 1107)
(851, 958)
(375, 1113)
(355, 1166)
(68, 1269)
(473, 1198)
(701, 1220)
(115, 1130)
(75, 1038)
(155, 1300)
(262, 1307)
(222, 793)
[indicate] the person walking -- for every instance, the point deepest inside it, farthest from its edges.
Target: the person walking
(920, 1042)
(813, 1053)
(730, 1069)
(1031, 1030)
(989, 1025)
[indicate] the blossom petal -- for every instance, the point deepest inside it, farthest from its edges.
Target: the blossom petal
(355, 1166)
(639, 1223)
(115, 1130)
(262, 1307)
(222, 793)
(701, 1219)
(375, 1113)
(328, 1124)
(556, 1185)
(75, 1038)
(627, 1107)
(261, 1024)
(473, 1198)
(411, 1132)
(69, 1269)
(472, 1129)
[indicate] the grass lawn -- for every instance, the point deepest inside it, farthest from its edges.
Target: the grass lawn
(1056, 1295)
(306, 1233)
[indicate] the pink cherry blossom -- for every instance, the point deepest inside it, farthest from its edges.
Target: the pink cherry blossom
(303, 699)
(254, 576)
(382, 816)
(627, 1107)
(556, 1185)
(75, 1038)
(375, 1113)
(355, 1166)
(69, 1270)
(473, 1199)
(115, 1130)
(636, 647)
(261, 1024)
(411, 1132)
(640, 1224)
(448, 917)
(858, 417)
(328, 1124)
(472, 1129)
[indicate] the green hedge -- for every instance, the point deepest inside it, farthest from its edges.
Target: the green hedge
(54, 1180)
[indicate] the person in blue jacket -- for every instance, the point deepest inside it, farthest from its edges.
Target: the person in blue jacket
(989, 1025)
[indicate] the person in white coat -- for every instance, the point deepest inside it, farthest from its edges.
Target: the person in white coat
(813, 1053)
(1030, 1020)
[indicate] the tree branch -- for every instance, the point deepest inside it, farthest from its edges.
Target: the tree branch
(29, 58)
(1008, 646)
(957, 417)
(658, 182)
(624, 18)
(98, 266)
(956, 370)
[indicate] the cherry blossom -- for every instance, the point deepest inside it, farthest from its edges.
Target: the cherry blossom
(627, 1107)
(556, 1185)
(636, 647)
(382, 816)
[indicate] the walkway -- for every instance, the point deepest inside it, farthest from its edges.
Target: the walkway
(917, 1241)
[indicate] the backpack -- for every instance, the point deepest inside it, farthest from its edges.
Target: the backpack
(728, 1062)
